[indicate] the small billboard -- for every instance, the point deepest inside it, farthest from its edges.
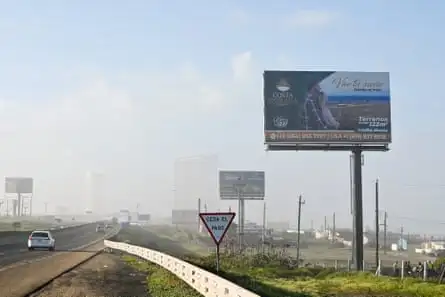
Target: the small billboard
(248, 185)
(185, 216)
(144, 217)
(19, 185)
(326, 107)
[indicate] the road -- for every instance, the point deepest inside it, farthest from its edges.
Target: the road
(66, 240)
(33, 269)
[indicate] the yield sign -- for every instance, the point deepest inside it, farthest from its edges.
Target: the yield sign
(217, 223)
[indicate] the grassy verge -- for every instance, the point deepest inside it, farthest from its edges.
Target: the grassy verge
(269, 276)
(160, 282)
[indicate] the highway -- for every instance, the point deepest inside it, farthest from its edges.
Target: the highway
(66, 240)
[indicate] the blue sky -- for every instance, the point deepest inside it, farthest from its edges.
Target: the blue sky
(125, 87)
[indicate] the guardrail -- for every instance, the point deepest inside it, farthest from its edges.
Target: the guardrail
(206, 283)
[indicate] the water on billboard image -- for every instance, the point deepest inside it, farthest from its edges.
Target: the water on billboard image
(332, 106)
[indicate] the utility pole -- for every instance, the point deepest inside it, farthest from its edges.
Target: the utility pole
(199, 211)
(46, 207)
(385, 228)
(325, 223)
(377, 223)
(300, 202)
(263, 237)
(333, 228)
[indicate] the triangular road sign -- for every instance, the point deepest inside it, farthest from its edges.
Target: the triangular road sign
(217, 223)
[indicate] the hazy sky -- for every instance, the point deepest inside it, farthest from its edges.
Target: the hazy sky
(124, 87)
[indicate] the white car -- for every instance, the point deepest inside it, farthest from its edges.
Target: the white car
(41, 240)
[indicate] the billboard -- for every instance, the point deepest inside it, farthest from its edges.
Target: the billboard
(242, 185)
(185, 216)
(326, 107)
(144, 217)
(16, 185)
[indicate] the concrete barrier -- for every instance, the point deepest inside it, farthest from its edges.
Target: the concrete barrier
(206, 283)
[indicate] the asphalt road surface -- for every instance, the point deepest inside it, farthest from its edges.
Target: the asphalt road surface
(66, 240)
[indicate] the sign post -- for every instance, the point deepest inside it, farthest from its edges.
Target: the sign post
(217, 223)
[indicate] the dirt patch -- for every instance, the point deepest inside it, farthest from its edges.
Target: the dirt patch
(104, 275)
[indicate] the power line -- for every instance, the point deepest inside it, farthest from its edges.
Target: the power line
(415, 186)
(418, 220)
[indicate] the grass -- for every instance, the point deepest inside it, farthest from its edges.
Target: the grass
(269, 276)
(160, 282)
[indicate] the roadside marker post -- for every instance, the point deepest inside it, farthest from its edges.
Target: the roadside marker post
(217, 224)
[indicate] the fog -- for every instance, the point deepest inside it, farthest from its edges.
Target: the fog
(126, 90)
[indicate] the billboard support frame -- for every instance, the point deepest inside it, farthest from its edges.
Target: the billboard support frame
(356, 151)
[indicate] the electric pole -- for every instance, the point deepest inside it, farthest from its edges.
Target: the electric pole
(263, 236)
(300, 202)
(333, 228)
(401, 233)
(46, 207)
(385, 228)
(325, 223)
(199, 211)
(377, 223)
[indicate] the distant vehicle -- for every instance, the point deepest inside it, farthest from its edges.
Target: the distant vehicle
(108, 226)
(41, 240)
(100, 227)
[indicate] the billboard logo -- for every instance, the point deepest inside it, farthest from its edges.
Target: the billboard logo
(283, 96)
(280, 122)
(283, 85)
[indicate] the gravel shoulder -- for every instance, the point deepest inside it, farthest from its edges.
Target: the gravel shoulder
(104, 275)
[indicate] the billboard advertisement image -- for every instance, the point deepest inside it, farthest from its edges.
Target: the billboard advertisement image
(326, 107)
(185, 216)
(19, 185)
(242, 185)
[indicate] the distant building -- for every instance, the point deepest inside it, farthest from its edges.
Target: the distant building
(278, 226)
(95, 186)
(196, 177)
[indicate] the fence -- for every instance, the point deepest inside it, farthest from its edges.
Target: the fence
(403, 269)
(204, 282)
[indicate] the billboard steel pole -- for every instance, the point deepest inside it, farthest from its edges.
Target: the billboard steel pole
(358, 208)
(351, 173)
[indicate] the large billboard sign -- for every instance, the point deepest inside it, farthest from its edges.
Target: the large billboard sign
(249, 185)
(144, 217)
(19, 185)
(326, 107)
(185, 216)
